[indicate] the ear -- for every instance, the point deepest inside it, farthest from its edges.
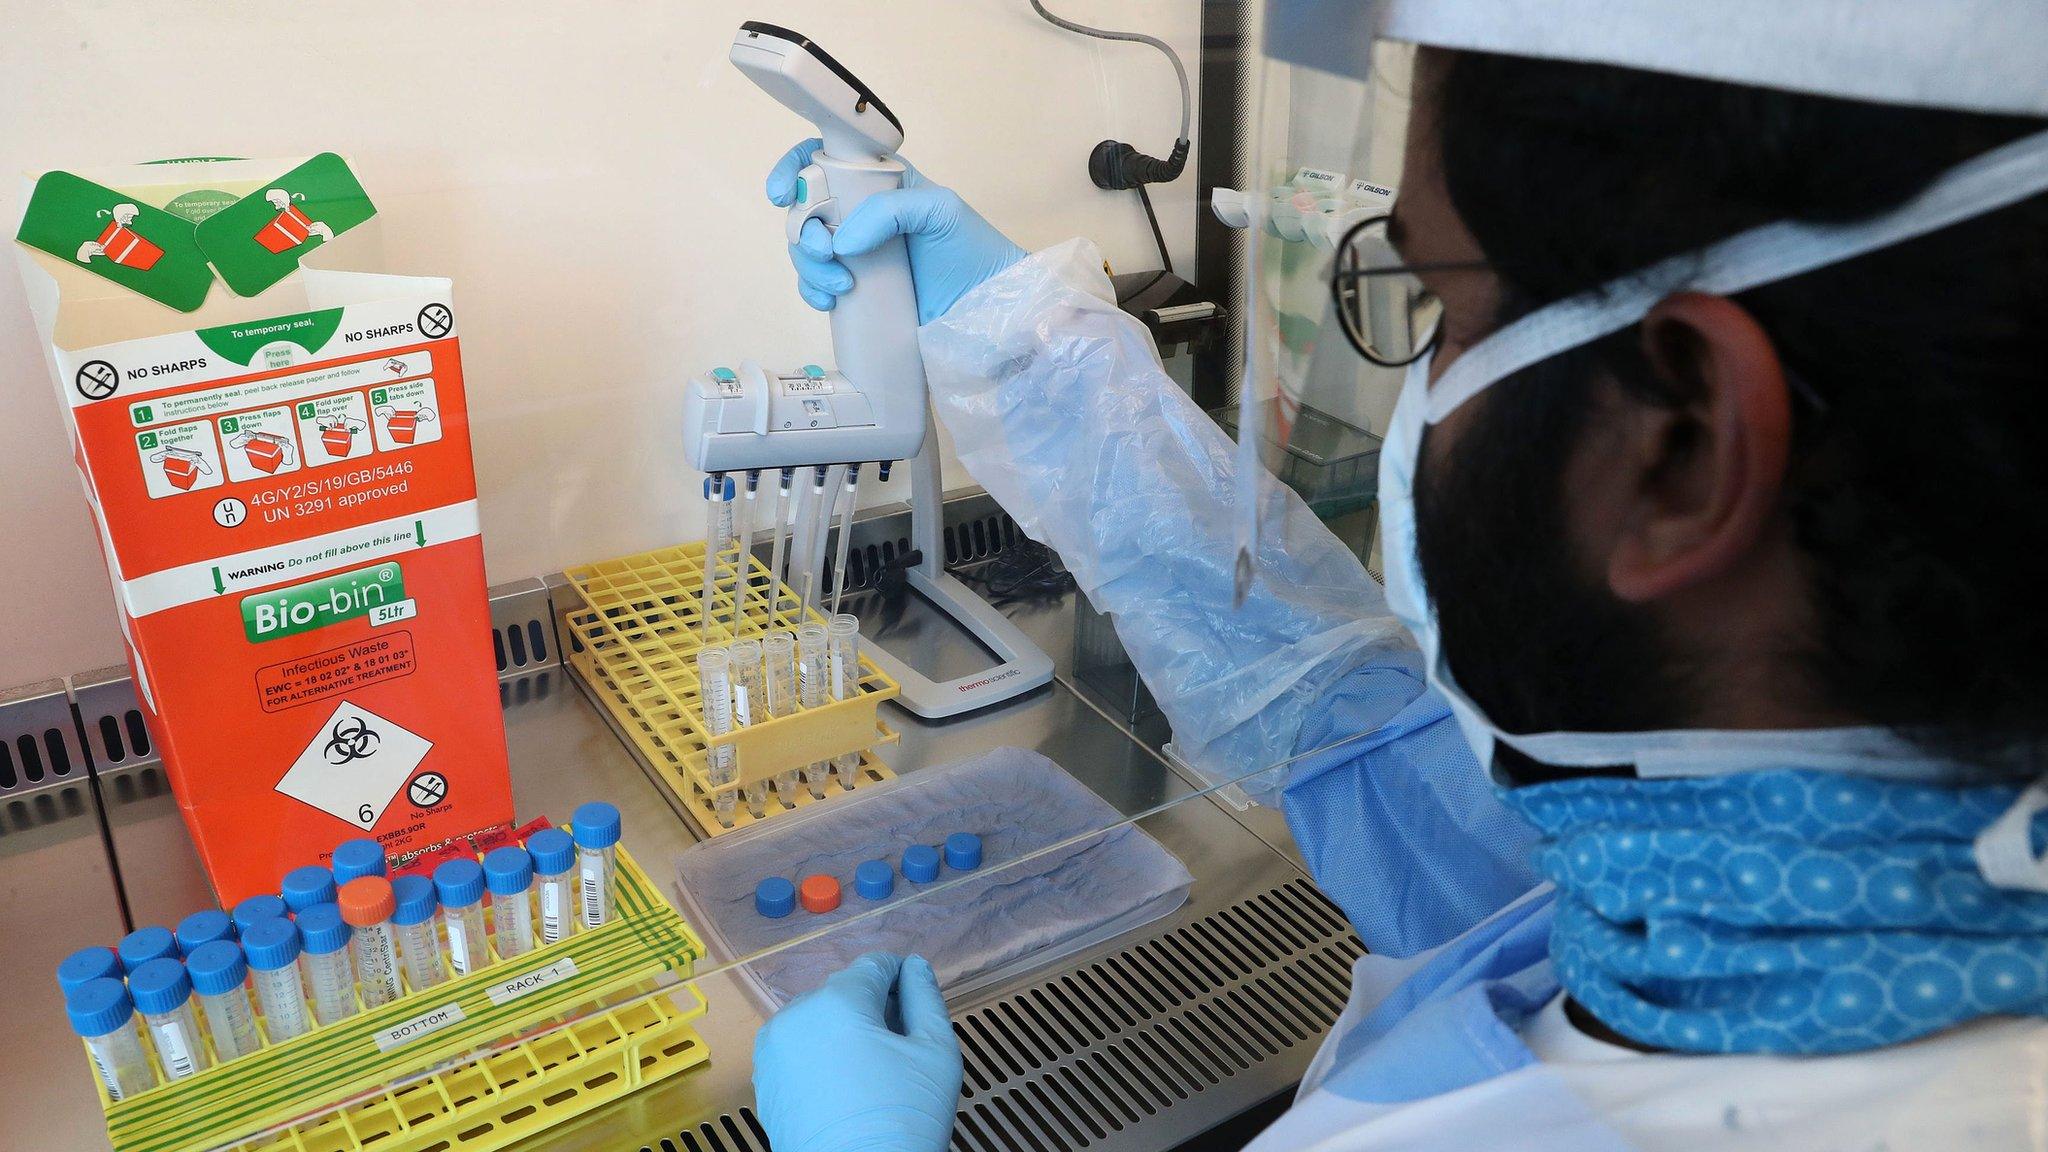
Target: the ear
(1709, 471)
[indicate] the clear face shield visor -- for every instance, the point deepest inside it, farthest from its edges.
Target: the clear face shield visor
(1331, 316)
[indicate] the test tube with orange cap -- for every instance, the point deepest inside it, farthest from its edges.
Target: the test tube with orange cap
(366, 906)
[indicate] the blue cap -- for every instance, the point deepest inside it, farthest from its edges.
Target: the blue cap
(259, 908)
(145, 944)
(920, 863)
(459, 883)
(305, 887)
(596, 825)
(87, 965)
(357, 858)
(553, 851)
(97, 1007)
(159, 986)
(270, 944)
(415, 900)
(322, 930)
(204, 928)
(963, 851)
(874, 879)
(775, 897)
(217, 967)
(508, 871)
(723, 486)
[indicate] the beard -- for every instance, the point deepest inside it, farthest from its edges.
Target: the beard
(1531, 631)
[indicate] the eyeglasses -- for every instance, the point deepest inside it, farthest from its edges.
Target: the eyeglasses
(1386, 313)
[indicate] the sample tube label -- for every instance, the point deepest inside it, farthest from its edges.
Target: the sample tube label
(425, 1024)
(593, 897)
(107, 1076)
(458, 947)
(512, 988)
(550, 912)
(175, 1049)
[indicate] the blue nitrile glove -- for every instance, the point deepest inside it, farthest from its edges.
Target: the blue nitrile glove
(869, 1061)
(952, 248)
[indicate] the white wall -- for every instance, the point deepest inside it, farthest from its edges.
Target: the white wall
(590, 175)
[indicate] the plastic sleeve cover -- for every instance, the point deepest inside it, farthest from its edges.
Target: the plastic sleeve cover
(1058, 406)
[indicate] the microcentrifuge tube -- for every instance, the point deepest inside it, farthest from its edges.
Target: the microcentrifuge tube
(778, 676)
(749, 706)
(842, 643)
(595, 827)
(366, 906)
(104, 1017)
(460, 885)
(719, 693)
(323, 949)
(271, 948)
(811, 692)
(554, 873)
(508, 873)
(220, 977)
(414, 903)
(163, 994)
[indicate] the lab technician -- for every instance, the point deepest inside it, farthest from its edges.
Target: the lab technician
(1714, 503)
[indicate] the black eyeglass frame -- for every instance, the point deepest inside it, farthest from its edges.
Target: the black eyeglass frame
(1343, 291)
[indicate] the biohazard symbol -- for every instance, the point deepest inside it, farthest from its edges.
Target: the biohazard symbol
(349, 740)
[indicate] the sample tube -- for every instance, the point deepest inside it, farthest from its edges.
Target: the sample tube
(460, 885)
(508, 873)
(145, 944)
(356, 858)
(778, 679)
(554, 873)
(778, 549)
(163, 994)
(258, 908)
(810, 687)
(203, 928)
(86, 965)
(366, 906)
(715, 690)
(595, 827)
(323, 949)
(412, 921)
(842, 645)
(848, 496)
(220, 977)
(104, 1017)
(305, 887)
(271, 948)
(751, 517)
(718, 491)
(749, 705)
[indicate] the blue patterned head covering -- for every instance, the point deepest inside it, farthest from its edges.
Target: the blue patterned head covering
(1784, 911)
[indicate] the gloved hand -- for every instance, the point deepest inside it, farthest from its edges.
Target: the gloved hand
(952, 248)
(868, 1061)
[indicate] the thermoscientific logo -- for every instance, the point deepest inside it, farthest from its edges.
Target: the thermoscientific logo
(318, 603)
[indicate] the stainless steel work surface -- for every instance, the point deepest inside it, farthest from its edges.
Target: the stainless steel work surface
(1137, 1043)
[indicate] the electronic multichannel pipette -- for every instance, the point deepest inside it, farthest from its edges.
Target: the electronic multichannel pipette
(808, 432)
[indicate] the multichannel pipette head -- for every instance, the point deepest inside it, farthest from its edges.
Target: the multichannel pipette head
(804, 78)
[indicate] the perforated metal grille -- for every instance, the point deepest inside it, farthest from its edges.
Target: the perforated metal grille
(38, 739)
(1082, 1057)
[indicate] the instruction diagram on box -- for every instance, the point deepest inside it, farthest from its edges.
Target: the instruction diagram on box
(354, 766)
(404, 414)
(334, 428)
(291, 226)
(179, 458)
(261, 443)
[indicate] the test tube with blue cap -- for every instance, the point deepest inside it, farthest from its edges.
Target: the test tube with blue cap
(104, 1017)
(255, 908)
(595, 827)
(305, 887)
(86, 965)
(554, 872)
(162, 991)
(508, 873)
(323, 948)
(220, 977)
(271, 948)
(203, 928)
(460, 885)
(354, 859)
(145, 944)
(412, 920)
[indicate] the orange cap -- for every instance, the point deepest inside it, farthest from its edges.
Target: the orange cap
(819, 893)
(368, 900)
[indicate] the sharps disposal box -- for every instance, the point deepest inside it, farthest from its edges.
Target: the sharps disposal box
(303, 601)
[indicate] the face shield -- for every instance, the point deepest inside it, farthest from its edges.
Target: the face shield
(1331, 319)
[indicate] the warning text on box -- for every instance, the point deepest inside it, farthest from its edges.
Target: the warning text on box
(385, 656)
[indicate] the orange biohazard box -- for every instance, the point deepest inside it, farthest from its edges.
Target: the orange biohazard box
(303, 604)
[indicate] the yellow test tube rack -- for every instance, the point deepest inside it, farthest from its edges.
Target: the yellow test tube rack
(634, 639)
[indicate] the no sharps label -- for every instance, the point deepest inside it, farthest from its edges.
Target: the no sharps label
(377, 592)
(354, 766)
